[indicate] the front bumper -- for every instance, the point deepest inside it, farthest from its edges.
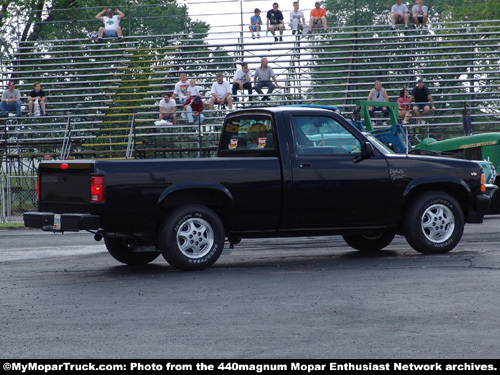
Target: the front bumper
(51, 222)
(491, 189)
(481, 206)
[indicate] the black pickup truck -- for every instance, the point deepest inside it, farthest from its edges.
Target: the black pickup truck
(282, 171)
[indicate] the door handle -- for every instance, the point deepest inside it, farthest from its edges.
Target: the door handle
(305, 165)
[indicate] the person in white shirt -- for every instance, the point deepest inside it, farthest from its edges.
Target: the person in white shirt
(419, 14)
(399, 14)
(111, 27)
(192, 89)
(242, 80)
(167, 108)
(221, 92)
(298, 20)
(181, 89)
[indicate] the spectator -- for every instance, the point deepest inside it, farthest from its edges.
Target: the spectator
(255, 23)
(423, 100)
(181, 89)
(419, 14)
(297, 20)
(242, 80)
(378, 94)
(37, 95)
(399, 15)
(111, 27)
(167, 108)
(467, 121)
(318, 15)
(221, 92)
(193, 108)
(11, 100)
(275, 20)
(404, 106)
(262, 78)
(192, 89)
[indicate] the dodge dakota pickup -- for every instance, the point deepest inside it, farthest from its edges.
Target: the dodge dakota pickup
(281, 171)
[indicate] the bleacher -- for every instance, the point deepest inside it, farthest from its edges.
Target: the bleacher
(102, 99)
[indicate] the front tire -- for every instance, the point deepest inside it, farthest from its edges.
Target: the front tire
(369, 242)
(191, 238)
(434, 223)
(123, 251)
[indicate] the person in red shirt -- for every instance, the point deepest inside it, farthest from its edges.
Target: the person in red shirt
(318, 14)
(193, 108)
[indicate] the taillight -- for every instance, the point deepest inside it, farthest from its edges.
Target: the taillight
(38, 188)
(97, 189)
(483, 182)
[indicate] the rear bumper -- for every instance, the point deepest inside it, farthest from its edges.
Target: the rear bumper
(481, 206)
(50, 222)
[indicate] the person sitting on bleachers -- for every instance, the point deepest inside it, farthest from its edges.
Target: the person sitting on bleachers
(318, 16)
(167, 108)
(298, 20)
(262, 78)
(419, 14)
(242, 80)
(11, 100)
(221, 93)
(255, 23)
(193, 108)
(36, 95)
(423, 101)
(111, 27)
(399, 14)
(378, 94)
(181, 89)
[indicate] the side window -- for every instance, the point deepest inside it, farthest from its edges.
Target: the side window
(248, 132)
(320, 135)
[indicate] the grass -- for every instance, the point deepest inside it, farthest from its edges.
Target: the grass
(11, 225)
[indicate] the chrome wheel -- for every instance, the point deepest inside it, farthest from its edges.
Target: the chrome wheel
(195, 238)
(438, 223)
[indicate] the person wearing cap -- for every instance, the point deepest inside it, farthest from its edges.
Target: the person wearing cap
(297, 20)
(399, 14)
(242, 80)
(193, 109)
(255, 23)
(221, 93)
(11, 100)
(111, 27)
(423, 100)
(37, 94)
(318, 15)
(275, 20)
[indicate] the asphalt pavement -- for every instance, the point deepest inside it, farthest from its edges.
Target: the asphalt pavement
(63, 296)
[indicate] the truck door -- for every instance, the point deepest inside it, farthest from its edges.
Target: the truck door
(329, 189)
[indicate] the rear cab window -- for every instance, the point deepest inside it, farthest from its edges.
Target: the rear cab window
(248, 134)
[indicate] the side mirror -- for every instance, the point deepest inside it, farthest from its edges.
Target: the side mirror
(367, 151)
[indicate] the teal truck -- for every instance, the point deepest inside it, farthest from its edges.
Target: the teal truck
(484, 146)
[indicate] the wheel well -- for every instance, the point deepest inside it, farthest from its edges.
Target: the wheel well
(456, 191)
(216, 200)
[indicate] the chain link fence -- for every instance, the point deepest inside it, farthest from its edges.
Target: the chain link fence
(18, 195)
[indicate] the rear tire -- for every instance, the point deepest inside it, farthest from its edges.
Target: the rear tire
(369, 242)
(123, 251)
(434, 223)
(191, 238)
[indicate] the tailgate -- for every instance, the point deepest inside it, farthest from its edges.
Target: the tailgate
(65, 186)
